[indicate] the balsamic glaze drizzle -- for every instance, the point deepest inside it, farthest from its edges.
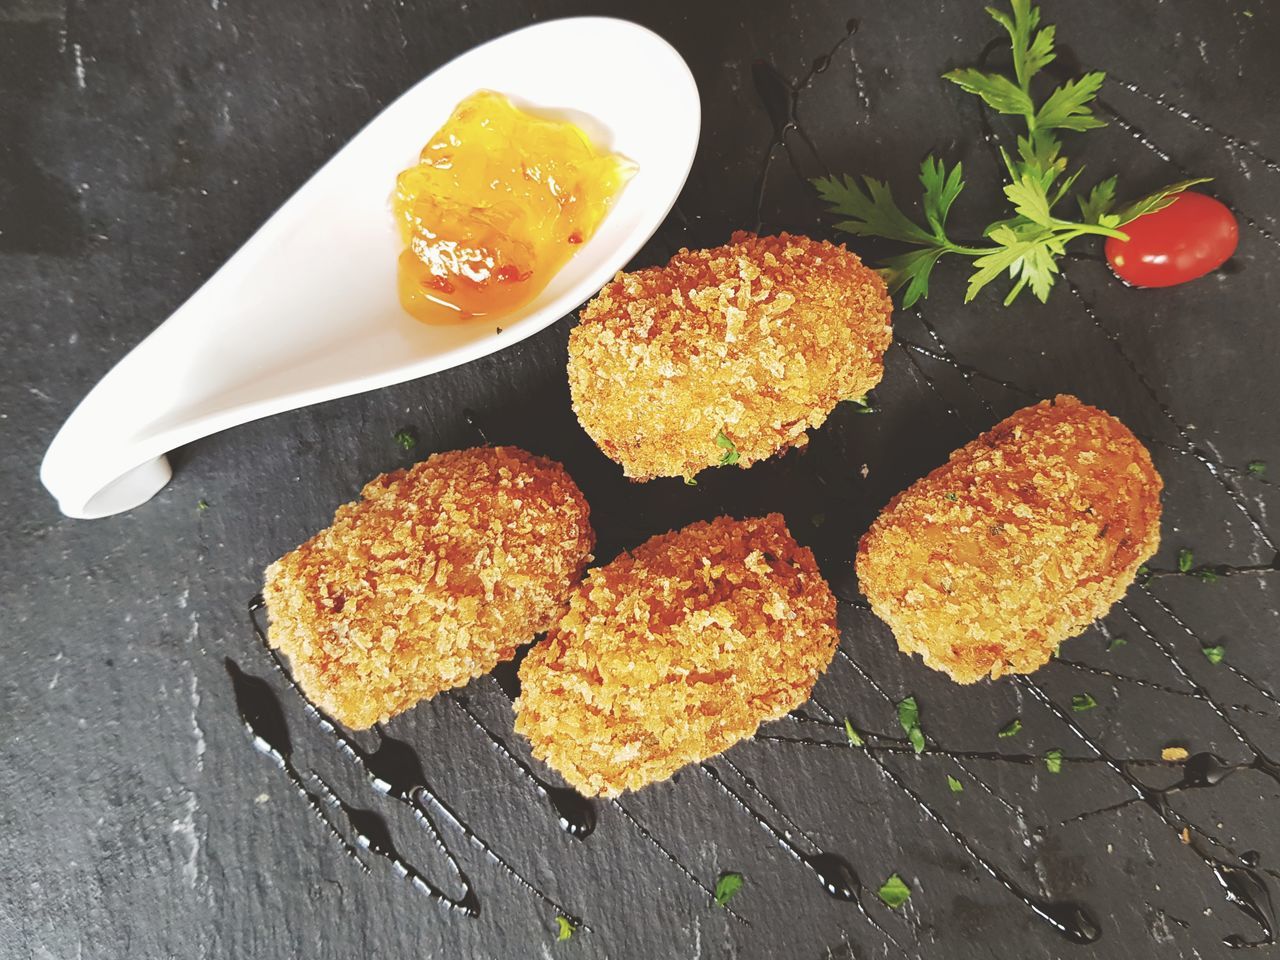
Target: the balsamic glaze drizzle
(833, 872)
(395, 770)
(373, 834)
(263, 719)
(575, 813)
(780, 98)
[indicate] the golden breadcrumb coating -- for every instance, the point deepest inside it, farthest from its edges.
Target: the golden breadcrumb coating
(758, 339)
(435, 576)
(1019, 541)
(675, 652)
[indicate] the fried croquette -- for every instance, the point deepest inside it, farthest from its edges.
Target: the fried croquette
(437, 574)
(753, 342)
(1021, 540)
(675, 651)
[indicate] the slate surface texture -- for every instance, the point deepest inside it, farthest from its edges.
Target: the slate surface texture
(141, 144)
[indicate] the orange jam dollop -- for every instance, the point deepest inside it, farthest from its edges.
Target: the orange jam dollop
(498, 202)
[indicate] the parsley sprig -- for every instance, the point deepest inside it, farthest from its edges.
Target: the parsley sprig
(1028, 244)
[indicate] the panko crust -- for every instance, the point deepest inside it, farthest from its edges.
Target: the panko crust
(676, 651)
(758, 339)
(435, 576)
(1021, 540)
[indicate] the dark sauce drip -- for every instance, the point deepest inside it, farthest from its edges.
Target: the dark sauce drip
(263, 718)
(1151, 685)
(1197, 122)
(575, 813)
(473, 422)
(1186, 628)
(1072, 920)
(373, 834)
(780, 98)
(1067, 65)
(395, 770)
(1210, 463)
(833, 872)
(884, 695)
(1243, 886)
(671, 857)
(1167, 652)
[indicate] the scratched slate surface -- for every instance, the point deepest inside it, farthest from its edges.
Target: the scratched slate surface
(141, 144)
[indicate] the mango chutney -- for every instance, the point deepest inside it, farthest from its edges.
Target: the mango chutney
(498, 202)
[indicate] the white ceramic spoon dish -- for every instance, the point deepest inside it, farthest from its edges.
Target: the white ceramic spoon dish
(307, 309)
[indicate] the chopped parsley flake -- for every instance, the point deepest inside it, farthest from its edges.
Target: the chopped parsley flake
(862, 404)
(1208, 576)
(202, 505)
(1215, 654)
(1257, 468)
(1083, 701)
(955, 785)
(894, 892)
(1012, 729)
(855, 738)
(1114, 642)
(564, 928)
(1186, 559)
(909, 717)
(1053, 761)
(730, 456)
(690, 482)
(406, 439)
(727, 886)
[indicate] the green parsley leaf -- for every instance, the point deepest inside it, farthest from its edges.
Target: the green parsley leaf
(862, 404)
(1257, 468)
(564, 928)
(894, 892)
(1215, 654)
(1083, 701)
(406, 439)
(952, 497)
(1068, 106)
(1156, 201)
(955, 785)
(1186, 560)
(996, 90)
(1099, 201)
(1053, 760)
(908, 714)
(873, 213)
(202, 505)
(1024, 247)
(1011, 729)
(727, 887)
(916, 736)
(1208, 576)
(911, 270)
(1114, 642)
(855, 738)
(940, 191)
(730, 456)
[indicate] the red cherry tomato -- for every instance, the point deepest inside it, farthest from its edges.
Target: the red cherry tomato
(1185, 240)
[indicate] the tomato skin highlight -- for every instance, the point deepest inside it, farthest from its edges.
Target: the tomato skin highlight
(1187, 239)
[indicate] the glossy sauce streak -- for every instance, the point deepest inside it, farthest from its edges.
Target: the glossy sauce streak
(395, 770)
(1243, 885)
(373, 834)
(574, 812)
(780, 99)
(263, 719)
(833, 872)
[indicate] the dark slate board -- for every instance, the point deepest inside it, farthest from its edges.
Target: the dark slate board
(141, 144)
